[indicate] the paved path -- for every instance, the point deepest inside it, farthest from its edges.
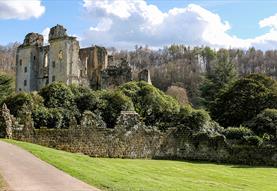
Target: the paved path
(24, 172)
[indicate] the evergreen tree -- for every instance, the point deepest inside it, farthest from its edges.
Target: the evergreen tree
(222, 73)
(6, 86)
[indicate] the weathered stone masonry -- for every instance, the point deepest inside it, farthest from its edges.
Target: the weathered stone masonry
(132, 139)
(63, 60)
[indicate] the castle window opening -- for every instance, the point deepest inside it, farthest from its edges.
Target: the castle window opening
(25, 82)
(53, 78)
(25, 69)
(34, 57)
(45, 60)
(53, 64)
(20, 62)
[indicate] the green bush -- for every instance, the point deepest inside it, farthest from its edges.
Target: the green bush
(17, 102)
(253, 140)
(47, 117)
(78, 90)
(152, 104)
(264, 123)
(88, 101)
(40, 117)
(244, 99)
(69, 116)
(193, 119)
(112, 103)
(57, 95)
(55, 118)
(237, 133)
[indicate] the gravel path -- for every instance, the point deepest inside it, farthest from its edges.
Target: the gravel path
(24, 172)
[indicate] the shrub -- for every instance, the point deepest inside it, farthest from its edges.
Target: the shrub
(253, 140)
(45, 117)
(55, 118)
(244, 99)
(69, 116)
(152, 104)
(88, 101)
(40, 117)
(112, 103)
(264, 123)
(17, 102)
(57, 95)
(191, 119)
(78, 90)
(237, 132)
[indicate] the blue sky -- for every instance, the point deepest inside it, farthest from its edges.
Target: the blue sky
(83, 19)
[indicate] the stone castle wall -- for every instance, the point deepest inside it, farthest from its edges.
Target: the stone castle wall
(132, 139)
(61, 60)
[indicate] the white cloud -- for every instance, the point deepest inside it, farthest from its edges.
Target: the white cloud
(126, 23)
(18, 9)
(269, 22)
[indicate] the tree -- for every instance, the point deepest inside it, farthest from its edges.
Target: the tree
(218, 77)
(264, 123)
(180, 94)
(6, 86)
(244, 99)
(56, 95)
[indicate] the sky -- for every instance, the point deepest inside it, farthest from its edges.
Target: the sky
(156, 23)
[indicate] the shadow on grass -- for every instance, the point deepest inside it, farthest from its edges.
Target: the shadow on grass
(225, 163)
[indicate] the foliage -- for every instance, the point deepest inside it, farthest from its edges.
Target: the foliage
(253, 140)
(22, 100)
(6, 86)
(264, 123)
(88, 101)
(78, 90)
(180, 94)
(193, 119)
(40, 117)
(57, 94)
(243, 100)
(237, 132)
(47, 117)
(112, 103)
(218, 77)
(151, 103)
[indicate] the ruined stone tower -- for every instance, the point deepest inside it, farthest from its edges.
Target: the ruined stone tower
(61, 60)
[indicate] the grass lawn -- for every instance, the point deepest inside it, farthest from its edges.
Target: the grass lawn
(155, 175)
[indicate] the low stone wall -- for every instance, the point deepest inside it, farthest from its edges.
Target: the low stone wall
(142, 143)
(178, 145)
(149, 143)
(132, 139)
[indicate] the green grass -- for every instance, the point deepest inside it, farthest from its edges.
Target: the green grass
(156, 175)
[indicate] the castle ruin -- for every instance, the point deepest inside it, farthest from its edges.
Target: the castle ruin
(63, 60)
